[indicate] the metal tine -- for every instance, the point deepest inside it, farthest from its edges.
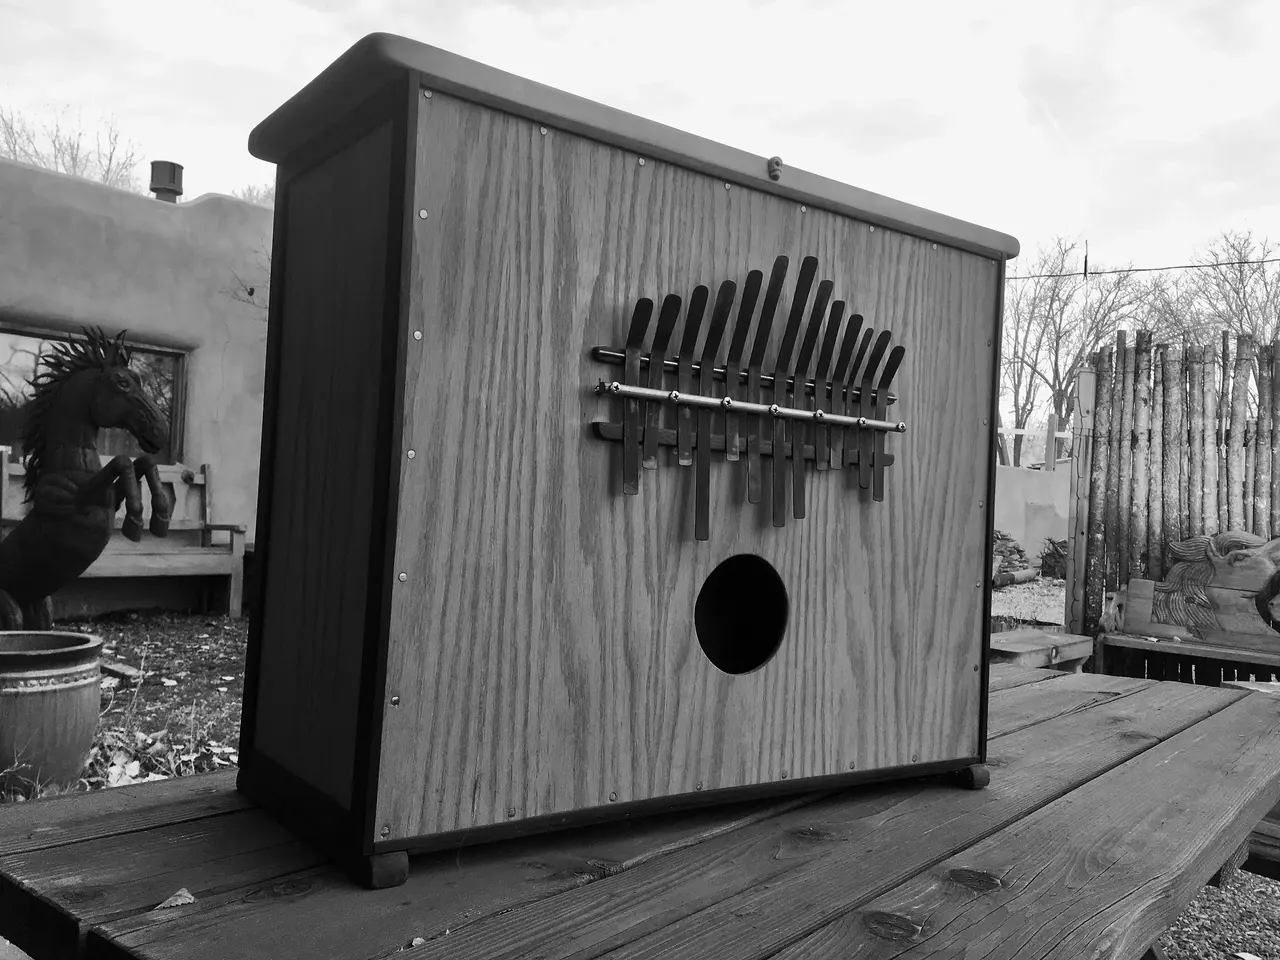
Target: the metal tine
(850, 451)
(822, 386)
(782, 369)
(688, 343)
(755, 424)
(851, 331)
(733, 366)
(702, 473)
(667, 317)
(879, 458)
(799, 429)
(631, 407)
(865, 437)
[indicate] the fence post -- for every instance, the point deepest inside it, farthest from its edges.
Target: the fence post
(1051, 443)
(1078, 511)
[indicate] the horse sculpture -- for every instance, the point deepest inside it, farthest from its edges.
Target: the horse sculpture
(86, 387)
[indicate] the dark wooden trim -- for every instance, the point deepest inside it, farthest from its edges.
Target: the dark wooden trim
(380, 57)
(312, 815)
(387, 459)
(984, 575)
(614, 812)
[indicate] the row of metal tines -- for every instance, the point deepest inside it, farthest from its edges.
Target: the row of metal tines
(848, 380)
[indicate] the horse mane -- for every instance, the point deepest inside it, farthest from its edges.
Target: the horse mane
(1181, 599)
(95, 351)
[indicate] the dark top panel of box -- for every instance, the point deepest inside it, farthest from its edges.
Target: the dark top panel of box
(379, 58)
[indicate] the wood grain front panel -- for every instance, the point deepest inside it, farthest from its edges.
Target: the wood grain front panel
(322, 495)
(543, 645)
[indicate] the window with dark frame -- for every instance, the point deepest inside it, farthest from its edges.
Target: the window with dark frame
(158, 369)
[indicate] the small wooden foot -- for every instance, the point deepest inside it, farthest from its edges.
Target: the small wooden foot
(974, 777)
(382, 870)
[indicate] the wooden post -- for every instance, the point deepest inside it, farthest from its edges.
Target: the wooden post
(1235, 438)
(1082, 427)
(1098, 556)
(1224, 423)
(1174, 445)
(1270, 441)
(1250, 428)
(1195, 437)
(1125, 490)
(1115, 428)
(1209, 454)
(1155, 468)
(1262, 502)
(1051, 443)
(1141, 458)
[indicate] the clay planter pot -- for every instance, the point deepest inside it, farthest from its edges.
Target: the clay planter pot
(49, 698)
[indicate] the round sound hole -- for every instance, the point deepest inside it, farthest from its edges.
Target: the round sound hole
(741, 613)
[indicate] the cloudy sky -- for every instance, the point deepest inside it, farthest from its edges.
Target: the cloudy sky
(1145, 128)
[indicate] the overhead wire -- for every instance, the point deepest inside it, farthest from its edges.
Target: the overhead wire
(1086, 272)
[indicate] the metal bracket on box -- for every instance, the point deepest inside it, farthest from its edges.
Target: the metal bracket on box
(845, 424)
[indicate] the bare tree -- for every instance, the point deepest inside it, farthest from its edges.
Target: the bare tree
(1055, 318)
(1229, 291)
(61, 145)
(263, 195)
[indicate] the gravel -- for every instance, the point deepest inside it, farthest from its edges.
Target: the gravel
(1241, 918)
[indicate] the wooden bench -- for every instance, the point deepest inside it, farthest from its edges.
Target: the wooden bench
(1041, 648)
(209, 554)
(1117, 800)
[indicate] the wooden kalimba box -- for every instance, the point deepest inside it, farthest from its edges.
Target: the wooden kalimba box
(605, 469)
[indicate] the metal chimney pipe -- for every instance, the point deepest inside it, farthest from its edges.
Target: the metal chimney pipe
(166, 180)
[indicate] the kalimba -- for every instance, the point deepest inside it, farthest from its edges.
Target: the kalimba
(605, 469)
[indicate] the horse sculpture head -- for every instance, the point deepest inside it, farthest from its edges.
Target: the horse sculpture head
(87, 386)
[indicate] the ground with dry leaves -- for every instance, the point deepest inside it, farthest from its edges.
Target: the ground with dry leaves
(183, 717)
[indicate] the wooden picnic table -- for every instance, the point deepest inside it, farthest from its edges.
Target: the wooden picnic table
(1112, 802)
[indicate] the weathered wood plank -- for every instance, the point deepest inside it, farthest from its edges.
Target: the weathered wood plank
(1034, 648)
(316, 910)
(54, 822)
(1156, 463)
(1185, 648)
(1006, 676)
(58, 892)
(745, 900)
(1174, 448)
(1235, 440)
(1262, 445)
(1125, 474)
(1174, 815)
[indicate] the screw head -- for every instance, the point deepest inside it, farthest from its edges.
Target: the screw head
(543, 131)
(862, 421)
(784, 774)
(803, 208)
(984, 421)
(915, 758)
(902, 427)
(427, 94)
(674, 395)
(698, 785)
(980, 504)
(395, 701)
(727, 186)
(403, 577)
(774, 408)
(727, 402)
(417, 334)
(386, 831)
(975, 668)
(853, 766)
(411, 454)
(818, 415)
(613, 797)
(642, 161)
(935, 246)
(615, 387)
(511, 812)
(422, 214)
(870, 228)
(978, 584)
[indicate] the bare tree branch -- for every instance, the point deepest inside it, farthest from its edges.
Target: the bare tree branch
(63, 146)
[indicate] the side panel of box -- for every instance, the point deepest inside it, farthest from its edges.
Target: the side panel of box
(543, 648)
(319, 460)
